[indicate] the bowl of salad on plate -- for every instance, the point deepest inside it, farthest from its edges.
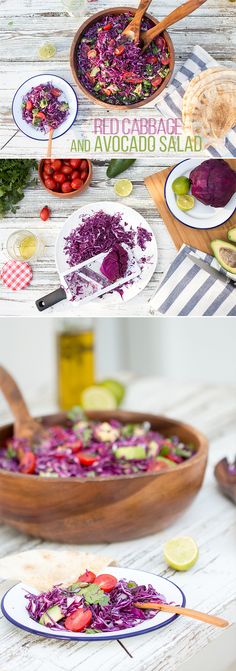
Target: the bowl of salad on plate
(114, 73)
(106, 476)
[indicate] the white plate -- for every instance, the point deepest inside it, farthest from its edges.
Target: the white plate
(134, 220)
(68, 95)
(13, 607)
(201, 216)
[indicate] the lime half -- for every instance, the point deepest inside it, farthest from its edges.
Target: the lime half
(98, 398)
(123, 187)
(181, 553)
(185, 203)
(181, 186)
(47, 51)
(116, 388)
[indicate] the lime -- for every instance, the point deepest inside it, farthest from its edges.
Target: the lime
(123, 187)
(116, 388)
(185, 203)
(181, 186)
(181, 553)
(98, 398)
(46, 51)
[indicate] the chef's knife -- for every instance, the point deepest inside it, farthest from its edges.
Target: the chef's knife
(210, 270)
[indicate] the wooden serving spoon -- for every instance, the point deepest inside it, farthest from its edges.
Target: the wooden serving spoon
(178, 14)
(179, 610)
(49, 150)
(24, 426)
(132, 31)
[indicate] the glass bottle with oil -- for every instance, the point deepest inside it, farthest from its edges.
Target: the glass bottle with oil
(76, 361)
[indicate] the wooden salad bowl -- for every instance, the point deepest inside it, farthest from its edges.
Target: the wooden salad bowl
(76, 510)
(73, 52)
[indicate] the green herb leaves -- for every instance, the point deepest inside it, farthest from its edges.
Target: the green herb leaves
(92, 593)
(15, 176)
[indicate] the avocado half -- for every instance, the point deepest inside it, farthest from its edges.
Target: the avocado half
(232, 234)
(225, 254)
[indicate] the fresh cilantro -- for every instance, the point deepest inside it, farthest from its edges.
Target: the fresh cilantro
(15, 176)
(132, 584)
(93, 594)
(128, 430)
(10, 453)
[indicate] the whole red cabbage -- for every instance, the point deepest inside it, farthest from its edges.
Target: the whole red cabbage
(115, 263)
(213, 182)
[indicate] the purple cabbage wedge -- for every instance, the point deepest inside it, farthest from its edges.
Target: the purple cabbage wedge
(213, 182)
(115, 264)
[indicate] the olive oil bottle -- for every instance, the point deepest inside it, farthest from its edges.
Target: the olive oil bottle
(76, 362)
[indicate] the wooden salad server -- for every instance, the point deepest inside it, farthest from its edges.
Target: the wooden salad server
(24, 425)
(179, 610)
(49, 149)
(132, 31)
(178, 14)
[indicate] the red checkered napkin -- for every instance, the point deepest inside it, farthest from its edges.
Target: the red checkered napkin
(16, 274)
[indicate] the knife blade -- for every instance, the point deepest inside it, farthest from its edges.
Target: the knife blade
(210, 270)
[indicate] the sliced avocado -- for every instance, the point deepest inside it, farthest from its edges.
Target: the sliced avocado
(130, 452)
(225, 254)
(54, 613)
(168, 462)
(232, 234)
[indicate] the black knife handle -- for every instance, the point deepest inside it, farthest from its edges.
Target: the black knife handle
(51, 299)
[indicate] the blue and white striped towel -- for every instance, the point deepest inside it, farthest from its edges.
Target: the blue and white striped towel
(171, 100)
(188, 290)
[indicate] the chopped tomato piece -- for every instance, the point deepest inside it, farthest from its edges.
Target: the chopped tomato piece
(106, 582)
(108, 26)
(157, 81)
(92, 53)
(152, 59)
(29, 105)
(175, 458)
(78, 620)
(165, 59)
(119, 50)
(56, 93)
(88, 576)
(107, 92)
(132, 78)
(27, 463)
(40, 115)
(76, 446)
(87, 458)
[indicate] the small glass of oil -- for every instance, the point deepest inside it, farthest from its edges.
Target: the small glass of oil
(24, 246)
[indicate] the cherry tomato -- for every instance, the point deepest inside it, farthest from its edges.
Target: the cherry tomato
(83, 176)
(132, 78)
(45, 213)
(108, 26)
(152, 59)
(29, 105)
(56, 164)
(56, 92)
(165, 59)
(66, 161)
(106, 582)
(47, 161)
(50, 184)
(78, 620)
(119, 50)
(159, 466)
(48, 169)
(174, 458)
(27, 463)
(76, 446)
(40, 115)
(86, 458)
(59, 177)
(67, 169)
(84, 165)
(157, 81)
(66, 187)
(75, 162)
(76, 184)
(88, 576)
(75, 174)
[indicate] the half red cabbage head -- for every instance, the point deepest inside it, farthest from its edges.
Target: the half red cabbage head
(115, 263)
(213, 182)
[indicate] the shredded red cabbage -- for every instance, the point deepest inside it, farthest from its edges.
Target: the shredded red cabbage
(44, 108)
(120, 613)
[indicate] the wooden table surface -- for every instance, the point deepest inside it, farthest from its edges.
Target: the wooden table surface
(209, 585)
(26, 25)
(45, 276)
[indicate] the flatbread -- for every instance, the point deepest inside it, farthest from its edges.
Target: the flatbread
(209, 104)
(44, 568)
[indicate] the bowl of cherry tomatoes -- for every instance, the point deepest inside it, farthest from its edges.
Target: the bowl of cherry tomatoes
(64, 177)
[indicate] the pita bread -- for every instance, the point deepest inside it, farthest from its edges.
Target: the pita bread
(209, 104)
(44, 568)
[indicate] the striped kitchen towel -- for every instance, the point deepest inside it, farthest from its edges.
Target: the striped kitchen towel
(188, 290)
(171, 101)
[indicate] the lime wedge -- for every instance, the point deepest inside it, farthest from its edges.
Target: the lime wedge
(181, 186)
(47, 51)
(181, 553)
(116, 388)
(185, 203)
(123, 187)
(98, 398)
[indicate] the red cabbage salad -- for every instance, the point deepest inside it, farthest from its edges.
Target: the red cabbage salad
(86, 449)
(100, 232)
(93, 604)
(44, 108)
(116, 71)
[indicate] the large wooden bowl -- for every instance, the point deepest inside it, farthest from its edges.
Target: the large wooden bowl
(75, 510)
(73, 52)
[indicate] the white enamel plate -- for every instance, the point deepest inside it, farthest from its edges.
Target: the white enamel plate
(201, 216)
(67, 94)
(14, 608)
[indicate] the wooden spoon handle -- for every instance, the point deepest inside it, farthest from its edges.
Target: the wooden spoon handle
(179, 610)
(178, 14)
(14, 398)
(142, 8)
(49, 150)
